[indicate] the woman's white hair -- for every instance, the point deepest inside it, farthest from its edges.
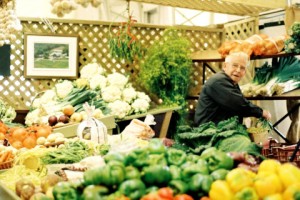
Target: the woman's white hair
(240, 54)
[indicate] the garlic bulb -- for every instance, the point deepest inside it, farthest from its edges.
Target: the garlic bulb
(85, 3)
(10, 25)
(62, 7)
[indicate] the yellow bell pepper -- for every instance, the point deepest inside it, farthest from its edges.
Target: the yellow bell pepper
(267, 185)
(274, 197)
(220, 190)
(239, 178)
(269, 166)
(290, 191)
(289, 174)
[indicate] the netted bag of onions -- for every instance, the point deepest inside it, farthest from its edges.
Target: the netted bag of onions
(92, 128)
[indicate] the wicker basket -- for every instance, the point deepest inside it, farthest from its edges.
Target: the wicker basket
(7, 164)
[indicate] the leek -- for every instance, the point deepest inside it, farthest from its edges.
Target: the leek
(283, 75)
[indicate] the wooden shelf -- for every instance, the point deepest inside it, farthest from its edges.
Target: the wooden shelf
(232, 7)
(214, 56)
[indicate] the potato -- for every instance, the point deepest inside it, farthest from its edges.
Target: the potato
(25, 188)
(49, 181)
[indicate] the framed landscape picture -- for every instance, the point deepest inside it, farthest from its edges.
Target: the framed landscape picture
(50, 56)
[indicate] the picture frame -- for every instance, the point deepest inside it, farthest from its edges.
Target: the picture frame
(48, 56)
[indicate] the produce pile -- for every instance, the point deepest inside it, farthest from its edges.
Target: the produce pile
(62, 7)
(110, 94)
(228, 136)
(258, 44)
(283, 75)
(292, 44)
(10, 25)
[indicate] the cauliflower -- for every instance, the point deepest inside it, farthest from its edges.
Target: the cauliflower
(111, 93)
(140, 105)
(90, 70)
(63, 88)
(119, 108)
(32, 117)
(47, 96)
(98, 114)
(117, 79)
(81, 82)
(129, 94)
(143, 95)
(98, 82)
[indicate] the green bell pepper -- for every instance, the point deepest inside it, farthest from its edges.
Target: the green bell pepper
(64, 191)
(156, 146)
(137, 158)
(94, 192)
(157, 159)
(132, 172)
(116, 156)
(208, 152)
(175, 172)
(217, 159)
(116, 173)
(192, 157)
(109, 175)
(133, 188)
(193, 169)
(93, 176)
(157, 175)
(175, 156)
(247, 193)
(219, 174)
(200, 183)
(178, 186)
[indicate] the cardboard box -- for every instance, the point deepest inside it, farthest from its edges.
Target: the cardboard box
(70, 130)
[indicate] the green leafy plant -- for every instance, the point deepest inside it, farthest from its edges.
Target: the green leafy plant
(166, 69)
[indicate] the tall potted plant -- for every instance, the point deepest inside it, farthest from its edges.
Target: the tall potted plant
(167, 67)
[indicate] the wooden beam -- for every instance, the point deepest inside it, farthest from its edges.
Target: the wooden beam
(259, 3)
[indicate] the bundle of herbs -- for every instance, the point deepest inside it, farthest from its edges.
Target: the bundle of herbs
(167, 68)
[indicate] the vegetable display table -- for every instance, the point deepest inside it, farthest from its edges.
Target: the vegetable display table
(162, 118)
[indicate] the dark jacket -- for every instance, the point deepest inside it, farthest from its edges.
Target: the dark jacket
(221, 99)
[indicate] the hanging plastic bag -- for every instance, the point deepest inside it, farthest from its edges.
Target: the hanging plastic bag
(91, 128)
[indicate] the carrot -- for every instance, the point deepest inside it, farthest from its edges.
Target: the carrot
(4, 156)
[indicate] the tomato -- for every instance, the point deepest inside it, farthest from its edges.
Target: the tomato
(165, 192)
(183, 197)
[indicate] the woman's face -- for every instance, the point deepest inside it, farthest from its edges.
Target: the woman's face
(235, 68)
